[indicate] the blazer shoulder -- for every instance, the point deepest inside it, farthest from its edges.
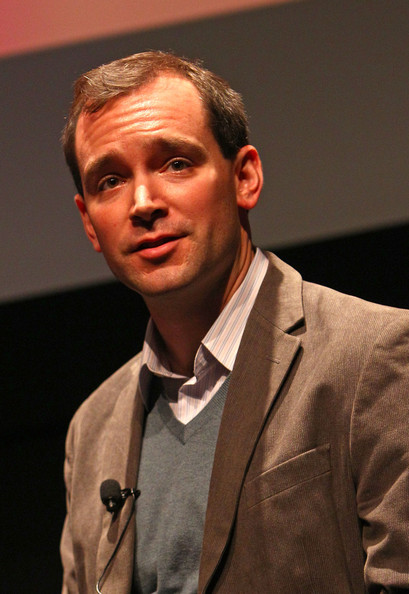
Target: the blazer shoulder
(290, 301)
(331, 308)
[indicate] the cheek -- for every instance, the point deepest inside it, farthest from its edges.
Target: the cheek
(106, 229)
(209, 201)
(105, 216)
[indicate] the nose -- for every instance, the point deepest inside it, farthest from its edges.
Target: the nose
(146, 206)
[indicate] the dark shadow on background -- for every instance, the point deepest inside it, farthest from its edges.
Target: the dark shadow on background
(56, 350)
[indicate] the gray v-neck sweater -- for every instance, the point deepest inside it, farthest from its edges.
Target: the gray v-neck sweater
(174, 476)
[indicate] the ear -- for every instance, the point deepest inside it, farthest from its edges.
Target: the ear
(86, 221)
(249, 177)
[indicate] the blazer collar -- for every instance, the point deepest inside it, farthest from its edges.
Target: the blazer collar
(266, 353)
(280, 296)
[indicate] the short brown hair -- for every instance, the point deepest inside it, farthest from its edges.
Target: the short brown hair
(227, 116)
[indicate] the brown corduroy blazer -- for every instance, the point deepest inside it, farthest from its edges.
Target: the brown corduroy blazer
(310, 485)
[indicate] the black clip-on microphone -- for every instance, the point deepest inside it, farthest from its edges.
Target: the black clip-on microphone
(113, 497)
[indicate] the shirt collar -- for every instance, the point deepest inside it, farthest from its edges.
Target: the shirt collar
(223, 338)
(221, 342)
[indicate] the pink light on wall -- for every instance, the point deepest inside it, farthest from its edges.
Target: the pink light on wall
(34, 25)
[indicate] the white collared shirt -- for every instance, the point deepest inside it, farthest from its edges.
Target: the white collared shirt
(215, 357)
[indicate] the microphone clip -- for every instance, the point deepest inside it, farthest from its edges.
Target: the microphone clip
(113, 497)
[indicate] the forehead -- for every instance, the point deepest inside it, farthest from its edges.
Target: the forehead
(168, 104)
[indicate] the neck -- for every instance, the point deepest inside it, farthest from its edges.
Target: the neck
(183, 322)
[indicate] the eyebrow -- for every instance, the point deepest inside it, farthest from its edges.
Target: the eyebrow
(180, 144)
(163, 144)
(95, 166)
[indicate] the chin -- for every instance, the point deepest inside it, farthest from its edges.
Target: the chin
(163, 280)
(149, 289)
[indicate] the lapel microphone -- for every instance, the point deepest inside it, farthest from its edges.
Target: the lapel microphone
(113, 497)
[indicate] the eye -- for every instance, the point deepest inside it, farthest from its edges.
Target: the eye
(178, 165)
(108, 183)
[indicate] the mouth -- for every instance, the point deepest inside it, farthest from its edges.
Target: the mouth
(157, 248)
(153, 243)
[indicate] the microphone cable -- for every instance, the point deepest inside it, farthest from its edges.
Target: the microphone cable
(125, 493)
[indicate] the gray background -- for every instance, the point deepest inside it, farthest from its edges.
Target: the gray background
(326, 84)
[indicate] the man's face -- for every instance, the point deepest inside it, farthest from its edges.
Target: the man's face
(160, 200)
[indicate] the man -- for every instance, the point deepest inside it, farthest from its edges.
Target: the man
(265, 422)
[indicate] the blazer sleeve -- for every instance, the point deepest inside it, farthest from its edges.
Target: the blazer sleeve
(69, 585)
(380, 459)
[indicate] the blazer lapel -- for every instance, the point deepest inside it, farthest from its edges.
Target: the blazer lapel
(121, 460)
(265, 355)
